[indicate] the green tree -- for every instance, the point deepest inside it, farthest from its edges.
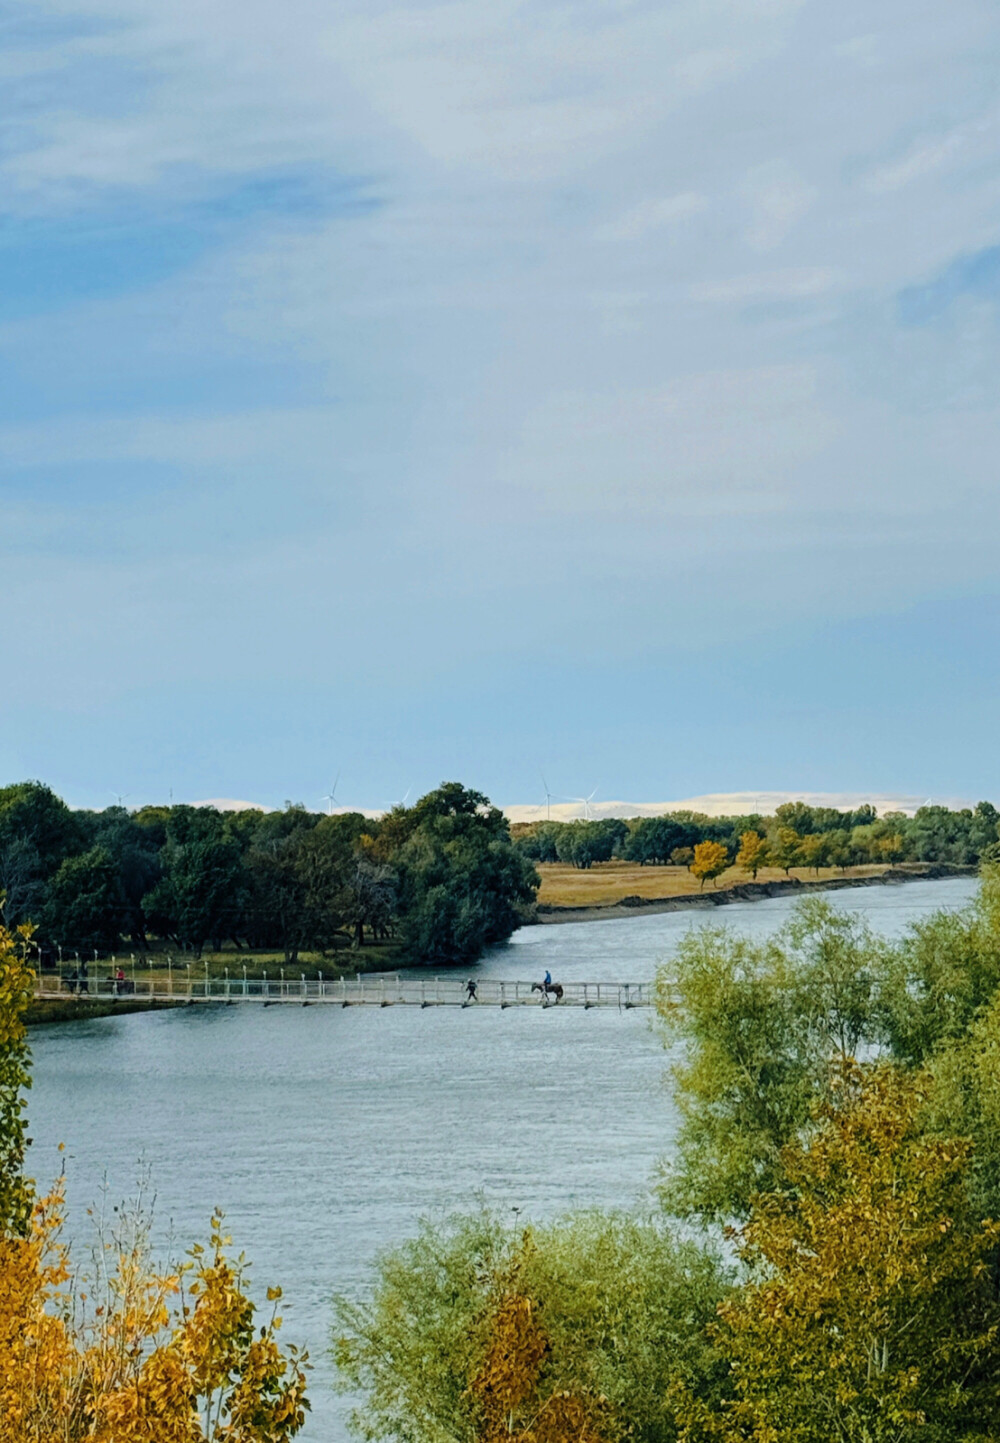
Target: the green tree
(32, 813)
(945, 969)
(581, 844)
(200, 896)
(758, 1025)
(537, 840)
(371, 897)
(797, 816)
(784, 848)
(651, 840)
(838, 848)
(135, 854)
(85, 908)
(814, 850)
(462, 883)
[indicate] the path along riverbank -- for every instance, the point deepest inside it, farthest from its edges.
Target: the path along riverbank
(547, 914)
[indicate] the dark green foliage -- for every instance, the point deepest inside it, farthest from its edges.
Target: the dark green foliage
(443, 877)
(135, 852)
(37, 832)
(199, 897)
(937, 835)
(537, 841)
(462, 883)
(85, 908)
(652, 839)
(32, 813)
(583, 843)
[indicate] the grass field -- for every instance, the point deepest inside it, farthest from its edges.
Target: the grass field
(166, 962)
(608, 882)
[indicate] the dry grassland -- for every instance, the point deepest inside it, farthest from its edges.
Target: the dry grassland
(608, 882)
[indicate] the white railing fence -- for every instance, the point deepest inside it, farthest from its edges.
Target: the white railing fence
(372, 990)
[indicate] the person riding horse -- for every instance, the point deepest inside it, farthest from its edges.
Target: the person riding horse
(548, 988)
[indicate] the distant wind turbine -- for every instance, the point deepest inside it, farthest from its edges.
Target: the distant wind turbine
(585, 804)
(121, 797)
(548, 799)
(331, 796)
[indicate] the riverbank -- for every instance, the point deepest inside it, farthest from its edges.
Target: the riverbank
(631, 906)
(73, 1008)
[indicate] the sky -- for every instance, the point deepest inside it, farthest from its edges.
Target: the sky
(479, 389)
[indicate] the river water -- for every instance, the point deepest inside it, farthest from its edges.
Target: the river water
(325, 1134)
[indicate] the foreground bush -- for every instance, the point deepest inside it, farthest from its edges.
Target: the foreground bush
(617, 1310)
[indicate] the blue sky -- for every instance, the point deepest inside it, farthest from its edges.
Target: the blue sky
(471, 390)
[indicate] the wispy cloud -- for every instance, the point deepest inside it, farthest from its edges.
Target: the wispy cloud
(653, 214)
(456, 292)
(767, 286)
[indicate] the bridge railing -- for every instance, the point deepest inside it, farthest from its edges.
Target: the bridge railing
(371, 989)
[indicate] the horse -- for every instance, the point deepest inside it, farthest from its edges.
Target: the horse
(553, 988)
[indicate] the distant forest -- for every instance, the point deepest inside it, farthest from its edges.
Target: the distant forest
(440, 879)
(796, 836)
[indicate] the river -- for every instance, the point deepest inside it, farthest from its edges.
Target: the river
(325, 1134)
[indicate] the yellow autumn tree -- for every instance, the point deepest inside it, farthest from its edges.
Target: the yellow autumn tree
(512, 1403)
(133, 1355)
(16, 986)
(752, 854)
(710, 860)
(871, 1315)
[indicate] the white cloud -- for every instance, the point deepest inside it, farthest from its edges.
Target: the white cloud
(777, 199)
(653, 214)
(474, 336)
(789, 285)
(518, 89)
(920, 161)
(715, 444)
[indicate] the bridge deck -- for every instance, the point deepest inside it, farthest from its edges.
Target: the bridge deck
(363, 991)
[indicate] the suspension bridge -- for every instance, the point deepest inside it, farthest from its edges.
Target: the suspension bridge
(373, 990)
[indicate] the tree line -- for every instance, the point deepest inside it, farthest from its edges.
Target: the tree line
(441, 879)
(824, 1259)
(797, 835)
